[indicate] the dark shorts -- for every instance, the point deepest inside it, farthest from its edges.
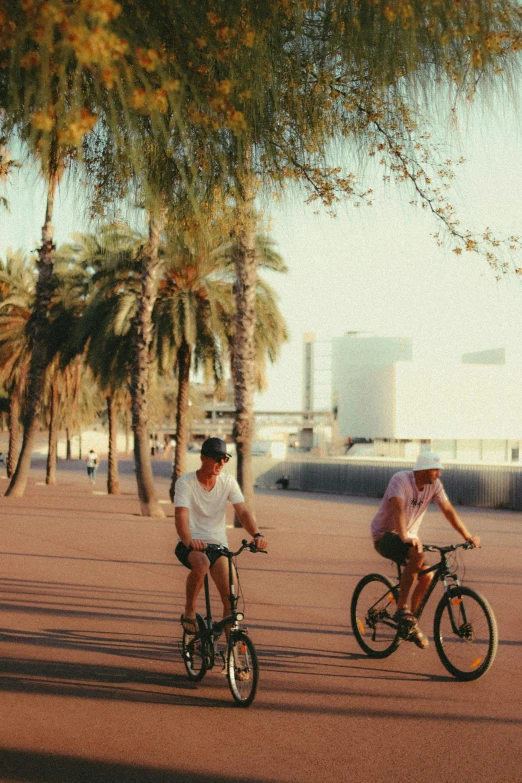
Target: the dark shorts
(182, 552)
(391, 547)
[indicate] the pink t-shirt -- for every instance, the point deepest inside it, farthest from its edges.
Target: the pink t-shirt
(402, 485)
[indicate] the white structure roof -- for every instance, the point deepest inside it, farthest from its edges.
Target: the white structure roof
(379, 396)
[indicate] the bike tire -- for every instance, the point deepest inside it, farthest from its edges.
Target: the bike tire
(194, 653)
(468, 652)
(373, 605)
(242, 669)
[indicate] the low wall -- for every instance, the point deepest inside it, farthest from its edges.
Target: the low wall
(487, 486)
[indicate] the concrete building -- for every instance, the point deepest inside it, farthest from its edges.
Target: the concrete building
(470, 411)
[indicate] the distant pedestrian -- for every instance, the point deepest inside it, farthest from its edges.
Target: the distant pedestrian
(92, 466)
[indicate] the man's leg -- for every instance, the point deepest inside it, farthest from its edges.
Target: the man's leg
(219, 574)
(423, 582)
(199, 566)
(414, 564)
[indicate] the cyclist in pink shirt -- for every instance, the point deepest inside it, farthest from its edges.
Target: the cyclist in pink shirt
(395, 533)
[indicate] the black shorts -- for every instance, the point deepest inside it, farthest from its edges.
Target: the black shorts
(182, 552)
(392, 547)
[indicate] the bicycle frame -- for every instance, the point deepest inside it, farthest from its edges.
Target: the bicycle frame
(214, 629)
(441, 573)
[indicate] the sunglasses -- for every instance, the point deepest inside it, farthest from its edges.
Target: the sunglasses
(219, 457)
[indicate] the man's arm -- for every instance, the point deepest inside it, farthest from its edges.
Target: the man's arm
(181, 519)
(457, 523)
(398, 518)
(248, 522)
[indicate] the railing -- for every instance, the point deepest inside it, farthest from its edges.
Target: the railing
(487, 486)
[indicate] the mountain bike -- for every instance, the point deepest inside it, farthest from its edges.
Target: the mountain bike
(464, 626)
(200, 651)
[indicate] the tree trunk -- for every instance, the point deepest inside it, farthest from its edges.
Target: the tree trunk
(113, 481)
(139, 383)
(243, 351)
(68, 450)
(50, 475)
(14, 430)
(39, 328)
(182, 429)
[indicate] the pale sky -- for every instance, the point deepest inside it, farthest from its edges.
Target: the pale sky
(374, 269)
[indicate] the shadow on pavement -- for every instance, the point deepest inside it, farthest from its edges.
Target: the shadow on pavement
(94, 681)
(21, 766)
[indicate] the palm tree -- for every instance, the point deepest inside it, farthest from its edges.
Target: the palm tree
(103, 332)
(17, 288)
(256, 331)
(195, 318)
(193, 295)
(7, 166)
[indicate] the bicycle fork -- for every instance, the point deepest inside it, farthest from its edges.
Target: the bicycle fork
(456, 607)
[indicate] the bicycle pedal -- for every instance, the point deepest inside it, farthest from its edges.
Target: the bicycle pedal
(406, 629)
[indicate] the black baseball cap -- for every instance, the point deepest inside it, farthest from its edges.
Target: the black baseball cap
(214, 447)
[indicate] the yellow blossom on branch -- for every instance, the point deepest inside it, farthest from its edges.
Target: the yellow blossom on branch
(249, 38)
(224, 87)
(225, 34)
(103, 10)
(95, 47)
(30, 59)
(171, 85)
(43, 120)
(138, 98)
(159, 101)
(236, 120)
(213, 18)
(78, 125)
(148, 59)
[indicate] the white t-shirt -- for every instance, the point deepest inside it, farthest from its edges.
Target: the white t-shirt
(207, 509)
(92, 460)
(402, 485)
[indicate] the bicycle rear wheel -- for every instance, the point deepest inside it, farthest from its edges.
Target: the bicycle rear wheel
(242, 669)
(466, 635)
(193, 652)
(374, 602)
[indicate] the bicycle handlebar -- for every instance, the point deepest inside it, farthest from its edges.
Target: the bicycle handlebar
(445, 549)
(244, 545)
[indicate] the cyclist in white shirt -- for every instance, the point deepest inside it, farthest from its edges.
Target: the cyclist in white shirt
(395, 532)
(200, 500)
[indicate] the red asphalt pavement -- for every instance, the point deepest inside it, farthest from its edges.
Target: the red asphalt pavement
(93, 689)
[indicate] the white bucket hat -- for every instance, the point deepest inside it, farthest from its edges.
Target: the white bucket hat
(428, 460)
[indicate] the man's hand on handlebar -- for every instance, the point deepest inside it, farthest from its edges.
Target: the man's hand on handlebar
(475, 540)
(260, 542)
(196, 544)
(415, 543)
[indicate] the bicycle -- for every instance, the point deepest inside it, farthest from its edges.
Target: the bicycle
(200, 651)
(464, 627)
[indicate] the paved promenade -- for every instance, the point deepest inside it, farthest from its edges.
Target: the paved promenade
(93, 689)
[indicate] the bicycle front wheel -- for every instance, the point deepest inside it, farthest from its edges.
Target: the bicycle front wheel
(374, 603)
(466, 635)
(242, 669)
(193, 652)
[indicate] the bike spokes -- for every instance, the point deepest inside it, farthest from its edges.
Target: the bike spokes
(466, 634)
(242, 670)
(372, 610)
